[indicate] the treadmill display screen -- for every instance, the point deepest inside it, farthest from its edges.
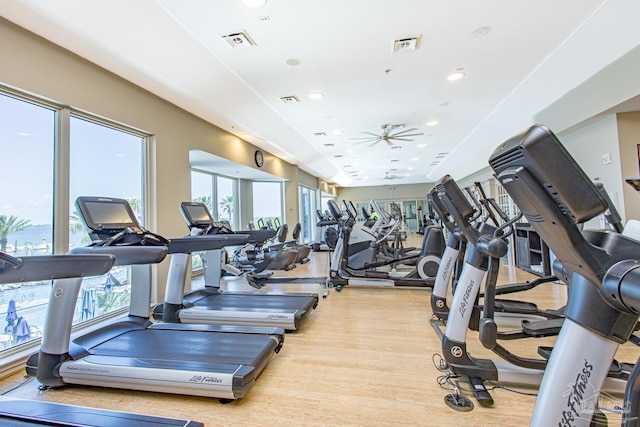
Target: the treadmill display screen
(197, 214)
(101, 213)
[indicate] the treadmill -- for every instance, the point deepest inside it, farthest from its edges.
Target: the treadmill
(21, 412)
(133, 353)
(213, 306)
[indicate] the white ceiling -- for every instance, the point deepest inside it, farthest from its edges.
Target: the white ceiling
(536, 51)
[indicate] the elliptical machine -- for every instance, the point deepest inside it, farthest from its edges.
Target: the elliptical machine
(555, 195)
(342, 273)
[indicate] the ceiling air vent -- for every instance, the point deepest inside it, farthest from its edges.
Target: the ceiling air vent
(409, 44)
(291, 99)
(238, 40)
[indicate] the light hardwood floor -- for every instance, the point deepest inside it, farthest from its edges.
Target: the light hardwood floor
(362, 358)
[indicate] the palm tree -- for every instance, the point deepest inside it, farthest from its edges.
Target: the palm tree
(136, 206)
(76, 226)
(226, 205)
(8, 226)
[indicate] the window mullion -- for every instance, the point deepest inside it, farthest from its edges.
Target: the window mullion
(61, 182)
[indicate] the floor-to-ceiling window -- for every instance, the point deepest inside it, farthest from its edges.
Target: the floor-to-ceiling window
(219, 193)
(226, 200)
(267, 202)
(308, 216)
(107, 162)
(52, 154)
(27, 136)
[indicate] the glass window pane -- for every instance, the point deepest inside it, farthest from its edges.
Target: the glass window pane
(202, 189)
(103, 162)
(307, 214)
(226, 201)
(27, 135)
(267, 201)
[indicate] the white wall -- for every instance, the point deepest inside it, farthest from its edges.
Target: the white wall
(385, 192)
(587, 145)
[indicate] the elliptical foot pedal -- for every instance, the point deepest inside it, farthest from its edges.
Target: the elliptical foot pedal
(458, 402)
(480, 392)
(545, 351)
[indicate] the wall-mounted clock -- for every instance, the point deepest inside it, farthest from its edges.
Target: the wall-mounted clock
(259, 158)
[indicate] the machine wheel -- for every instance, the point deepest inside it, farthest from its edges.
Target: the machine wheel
(427, 266)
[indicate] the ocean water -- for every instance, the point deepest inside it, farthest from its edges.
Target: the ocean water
(37, 240)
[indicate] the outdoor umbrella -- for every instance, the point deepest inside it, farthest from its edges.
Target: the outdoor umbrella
(89, 304)
(111, 282)
(11, 317)
(23, 330)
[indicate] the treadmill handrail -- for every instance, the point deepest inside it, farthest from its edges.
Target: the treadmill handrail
(50, 267)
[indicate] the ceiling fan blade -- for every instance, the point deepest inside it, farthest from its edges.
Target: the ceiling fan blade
(371, 133)
(374, 143)
(408, 135)
(393, 138)
(405, 131)
(365, 137)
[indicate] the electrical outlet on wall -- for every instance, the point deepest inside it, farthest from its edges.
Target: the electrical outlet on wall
(606, 158)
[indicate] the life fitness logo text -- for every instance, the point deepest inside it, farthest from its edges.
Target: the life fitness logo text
(456, 351)
(575, 396)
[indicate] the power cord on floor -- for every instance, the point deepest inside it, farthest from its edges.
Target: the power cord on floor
(27, 380)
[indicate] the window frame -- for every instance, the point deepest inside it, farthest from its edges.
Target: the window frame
(60, 188)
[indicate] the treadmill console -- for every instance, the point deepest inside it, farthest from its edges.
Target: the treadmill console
(197, 215)
(106, 216)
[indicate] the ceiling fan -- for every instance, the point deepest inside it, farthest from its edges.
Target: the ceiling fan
(389, 175)
(388, 135)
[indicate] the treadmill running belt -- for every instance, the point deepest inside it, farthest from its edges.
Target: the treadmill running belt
(192, 346)
(19, 412)
(265, 302)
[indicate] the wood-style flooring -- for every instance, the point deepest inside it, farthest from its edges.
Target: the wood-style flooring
(364, 357)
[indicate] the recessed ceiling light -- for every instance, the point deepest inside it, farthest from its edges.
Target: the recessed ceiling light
(456, 75)
(432, 122)
(407, 174)
(24, 134)
(410, 168)
(254, 4)
(316, 95)
(246, 135)
(292, 62)
(338, 132)
(349, 151)
(414, 159)
(422, 145)
(481, 32)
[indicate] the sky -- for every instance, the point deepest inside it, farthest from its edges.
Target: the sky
(104, 161)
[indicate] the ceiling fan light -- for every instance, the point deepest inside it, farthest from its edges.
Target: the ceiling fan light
(432, 123)
(316, 95)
